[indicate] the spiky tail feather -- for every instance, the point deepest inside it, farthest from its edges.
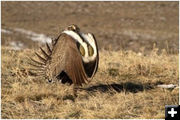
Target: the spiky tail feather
(40, 64)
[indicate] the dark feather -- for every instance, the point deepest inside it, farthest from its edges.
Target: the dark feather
(48, 48)
(41, 58)
(37, 66)
(45, 54)
(35, 61)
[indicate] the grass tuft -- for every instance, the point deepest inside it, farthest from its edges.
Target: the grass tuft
(125, 86)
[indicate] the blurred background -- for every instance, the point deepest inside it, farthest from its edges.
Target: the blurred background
(136, 26)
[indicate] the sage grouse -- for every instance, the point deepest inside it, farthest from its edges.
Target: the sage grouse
(73, 58)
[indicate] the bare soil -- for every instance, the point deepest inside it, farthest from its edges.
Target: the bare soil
(117, 25)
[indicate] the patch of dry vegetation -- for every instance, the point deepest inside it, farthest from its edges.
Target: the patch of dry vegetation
(124, 87)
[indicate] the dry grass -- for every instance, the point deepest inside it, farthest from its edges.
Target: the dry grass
(124, 87)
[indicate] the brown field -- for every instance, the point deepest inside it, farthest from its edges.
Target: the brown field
(125, 86)
(116, 25)
(138, 50)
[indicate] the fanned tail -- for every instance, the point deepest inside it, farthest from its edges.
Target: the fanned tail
(41, 58)
(38, 66)
(37, 62)
(48, 49)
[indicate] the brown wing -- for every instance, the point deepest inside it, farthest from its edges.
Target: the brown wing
(74, 66)
(67, 58)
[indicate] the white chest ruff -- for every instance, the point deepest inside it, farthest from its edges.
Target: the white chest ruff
(88, 39)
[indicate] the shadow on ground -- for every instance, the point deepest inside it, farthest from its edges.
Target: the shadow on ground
(128, 87)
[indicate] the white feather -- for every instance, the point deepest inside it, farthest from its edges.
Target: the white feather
(89, 39)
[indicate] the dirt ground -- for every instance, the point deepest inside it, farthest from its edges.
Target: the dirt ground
(138, 48)
(117, 25)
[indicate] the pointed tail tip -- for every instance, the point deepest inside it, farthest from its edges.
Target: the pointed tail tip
(45, 54)
(37, 62)
(41, 58)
